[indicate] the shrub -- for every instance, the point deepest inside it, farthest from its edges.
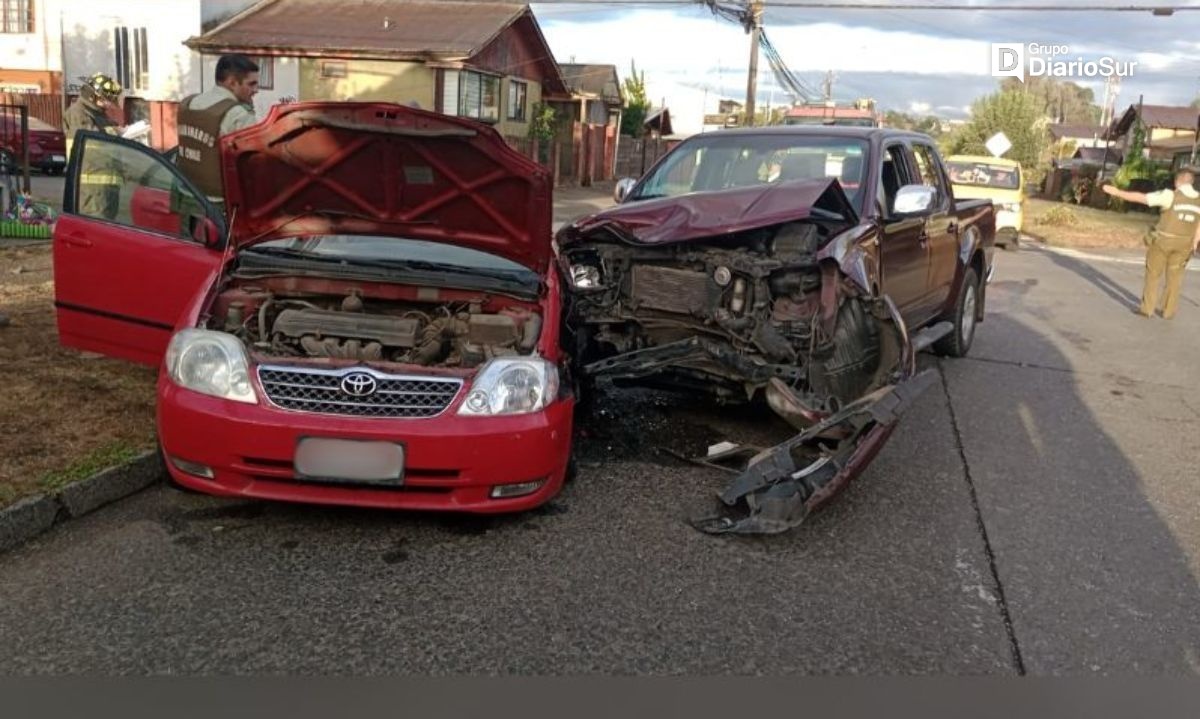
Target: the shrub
(1060, 216)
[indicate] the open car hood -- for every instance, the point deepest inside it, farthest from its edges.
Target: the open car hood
(382, 169)
(703, 215)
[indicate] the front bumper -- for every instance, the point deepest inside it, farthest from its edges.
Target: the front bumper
(452, 463)
(1009, 220)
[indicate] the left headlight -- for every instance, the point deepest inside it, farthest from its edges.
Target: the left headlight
(212, 363)
(511, 385)
(1011, 206)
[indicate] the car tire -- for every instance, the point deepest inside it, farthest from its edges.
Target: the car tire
(958, 342)
(1012, 244)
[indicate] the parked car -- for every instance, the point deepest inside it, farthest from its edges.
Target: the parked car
(997, 179)
(803, 265)
(47, 145)
(377, 324)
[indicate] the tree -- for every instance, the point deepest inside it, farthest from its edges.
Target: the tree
(1019, 116)
(1061, 101)
(1196, 103)
(637, 105)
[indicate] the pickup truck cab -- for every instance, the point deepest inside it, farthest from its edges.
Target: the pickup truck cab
(805, 265)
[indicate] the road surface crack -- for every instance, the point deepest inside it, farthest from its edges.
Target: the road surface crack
(1001, 600)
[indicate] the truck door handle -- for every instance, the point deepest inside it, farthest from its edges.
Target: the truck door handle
(952, 228)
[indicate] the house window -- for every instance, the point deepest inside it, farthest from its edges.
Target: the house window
(18, 16)
(333, 70)
(266, 72)
(518, 93)
(478, 96)
(133, 57)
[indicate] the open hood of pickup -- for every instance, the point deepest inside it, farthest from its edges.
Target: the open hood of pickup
(336, 168)
(704, 215)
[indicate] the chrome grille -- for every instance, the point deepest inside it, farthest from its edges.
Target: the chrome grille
(315, 390)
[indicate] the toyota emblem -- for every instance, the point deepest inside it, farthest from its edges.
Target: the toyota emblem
(359, 384)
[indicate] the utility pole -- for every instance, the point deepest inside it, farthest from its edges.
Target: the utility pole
(828, 85)
(754, 15)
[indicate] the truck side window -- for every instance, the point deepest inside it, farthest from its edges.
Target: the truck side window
(927, 165)
(892, 176)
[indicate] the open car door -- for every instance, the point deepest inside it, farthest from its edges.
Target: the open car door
(136, 243)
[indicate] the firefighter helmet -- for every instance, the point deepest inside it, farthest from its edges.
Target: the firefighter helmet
(102, 85)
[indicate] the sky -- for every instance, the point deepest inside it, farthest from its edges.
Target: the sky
(918, 61)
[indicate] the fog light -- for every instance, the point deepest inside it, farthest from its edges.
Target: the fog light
(504, 491)
(193, 468)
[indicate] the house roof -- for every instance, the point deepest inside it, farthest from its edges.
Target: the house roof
(1159, 116)
(384, 29)
(596, 80)
(1059, 132)
(658, 120)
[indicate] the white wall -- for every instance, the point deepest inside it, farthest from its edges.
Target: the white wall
(89, 41)
(38, 50)
(287, 83)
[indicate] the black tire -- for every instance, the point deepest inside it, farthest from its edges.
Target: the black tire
(958, 342)
(1012, 243)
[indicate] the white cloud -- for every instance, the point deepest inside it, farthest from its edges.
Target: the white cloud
(919, 108)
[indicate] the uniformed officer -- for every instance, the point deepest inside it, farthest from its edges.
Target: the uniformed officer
(218, 111)
(1172, 241)
(99, 177)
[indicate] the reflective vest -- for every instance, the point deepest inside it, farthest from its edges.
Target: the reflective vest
(1182, 218)
(199, 155)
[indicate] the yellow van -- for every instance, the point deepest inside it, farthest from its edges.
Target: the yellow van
(977, 177)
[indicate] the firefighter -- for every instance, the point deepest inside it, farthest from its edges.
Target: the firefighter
(1172, 241)
(205, 118)
(99, 177)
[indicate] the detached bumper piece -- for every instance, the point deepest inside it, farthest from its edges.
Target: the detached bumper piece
(781, 486)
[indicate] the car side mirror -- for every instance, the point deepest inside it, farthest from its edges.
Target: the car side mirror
(206, 232)
(914, 200)
(624, 185)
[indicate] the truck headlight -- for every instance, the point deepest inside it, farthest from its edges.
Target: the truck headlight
(212, 363)
(585, 277)
(1011, 206)
(511, 385)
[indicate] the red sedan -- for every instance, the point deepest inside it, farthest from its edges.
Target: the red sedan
(47, 144)
(377, 324)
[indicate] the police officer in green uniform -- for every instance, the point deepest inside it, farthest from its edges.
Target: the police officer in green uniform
(99, 178)
(203, 119)
(1172, 241)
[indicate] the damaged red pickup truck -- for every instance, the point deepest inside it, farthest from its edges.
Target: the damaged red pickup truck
(806, 265)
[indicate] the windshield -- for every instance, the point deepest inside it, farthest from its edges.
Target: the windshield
(984, 174)
(367, 250)
(732, 161)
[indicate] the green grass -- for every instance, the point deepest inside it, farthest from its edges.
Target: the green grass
(97, 461)
(1087, 226)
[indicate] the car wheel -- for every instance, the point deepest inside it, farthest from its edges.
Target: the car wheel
(1013, 243)
(958, 342)
(8, 163)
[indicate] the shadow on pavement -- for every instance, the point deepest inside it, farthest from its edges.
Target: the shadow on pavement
(1099, 279)
(1094, 578)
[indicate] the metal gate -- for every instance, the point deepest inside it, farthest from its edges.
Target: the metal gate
(14, 154)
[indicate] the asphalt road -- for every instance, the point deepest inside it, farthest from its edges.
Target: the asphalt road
(1037, 511)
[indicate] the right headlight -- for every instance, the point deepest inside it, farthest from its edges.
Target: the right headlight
(212, 363)
(585, 277)
(511, 385)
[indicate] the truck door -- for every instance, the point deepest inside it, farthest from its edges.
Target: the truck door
(903, 254)
(941, 229)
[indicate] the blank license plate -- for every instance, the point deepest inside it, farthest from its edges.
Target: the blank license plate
(349, 460)
(57, 158)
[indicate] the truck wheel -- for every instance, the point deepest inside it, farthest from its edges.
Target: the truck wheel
(958, 342)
